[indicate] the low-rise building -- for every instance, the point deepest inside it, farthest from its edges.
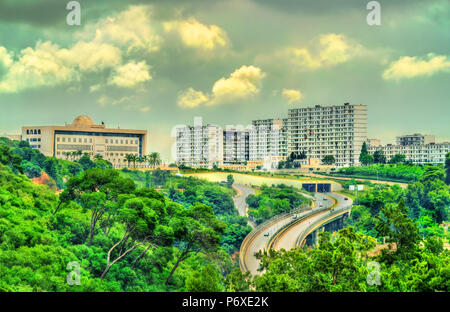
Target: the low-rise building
(83, 136)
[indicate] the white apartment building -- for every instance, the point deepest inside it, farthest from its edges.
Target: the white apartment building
(432, 153)
(336, 130)
(235, 146)
(268, 139)
(199, 146)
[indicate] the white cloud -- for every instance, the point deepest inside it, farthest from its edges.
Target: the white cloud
(131, 74)
(5, 57)
(41, 66)
(100, 49)
(195, 34)
(243, 83)
(191, 98)
(292, 95)
(325, 50)
(408, 67)
(130, 28)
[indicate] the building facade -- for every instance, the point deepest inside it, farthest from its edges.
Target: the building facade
(420, 154)
(268, 139)
(328, 130)
(235, 146)
(415, 139)
(86, 137)
(199, 146)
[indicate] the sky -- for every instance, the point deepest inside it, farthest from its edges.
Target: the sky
(156, 64)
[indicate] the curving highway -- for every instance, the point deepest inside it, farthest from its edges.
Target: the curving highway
(239, 200)
(283, 232)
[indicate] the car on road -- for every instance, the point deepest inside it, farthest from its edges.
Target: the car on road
(294, 217)
(266, 233)
(345, 198)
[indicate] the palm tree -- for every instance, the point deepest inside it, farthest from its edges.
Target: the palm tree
(79, 153)
(134, 158)
(128, 158)
(140, 160)
(67, 154)
(154, 159)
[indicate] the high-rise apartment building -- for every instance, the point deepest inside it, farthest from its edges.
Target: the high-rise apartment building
(199, 146)
(235, 146)
(268, 139)
(336, 130)
(85, 136)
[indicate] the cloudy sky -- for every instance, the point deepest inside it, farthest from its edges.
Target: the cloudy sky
(155, 64)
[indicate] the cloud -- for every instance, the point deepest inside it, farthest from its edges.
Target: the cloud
(195, 34)
(292, 95)
(130, 28)
(131, 74)
(100, 48)
(191, 98)
(324, 51)
(408, 67)
(243, 83)
(41, 66)
(5, 57)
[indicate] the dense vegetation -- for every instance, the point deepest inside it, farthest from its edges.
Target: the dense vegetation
(274, 200)
(31, 162)
(400, 172)
(127, 236)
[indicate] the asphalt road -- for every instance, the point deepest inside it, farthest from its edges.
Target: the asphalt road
(259, 241)
(287, 239)
(239, 200)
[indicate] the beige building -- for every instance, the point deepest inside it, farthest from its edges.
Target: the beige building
(338, 130)
(85, 136)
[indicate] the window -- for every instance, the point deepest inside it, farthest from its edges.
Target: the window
(126, 141)
(79, 140)
(69, 140)
(117, 141)
(28, 140)
(90, 140)
(39, 139)
(39, 131)
(57, 139)
(121, 141)
(106, 140)
(28, 131)
(85, 140)
(64, 139)
(35, 132)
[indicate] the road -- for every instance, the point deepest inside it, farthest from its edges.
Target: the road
(288, 238)
(239, 199)
(258, 241)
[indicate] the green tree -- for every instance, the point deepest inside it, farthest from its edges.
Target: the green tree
(397, 158)
(363, 152)
(230, 181)
(140, 219)
(379, 157)
(10, 159)
(328, 160)
(447, 168)
(197, 229)
(208, 280)
(367, 160)
(398, 228)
